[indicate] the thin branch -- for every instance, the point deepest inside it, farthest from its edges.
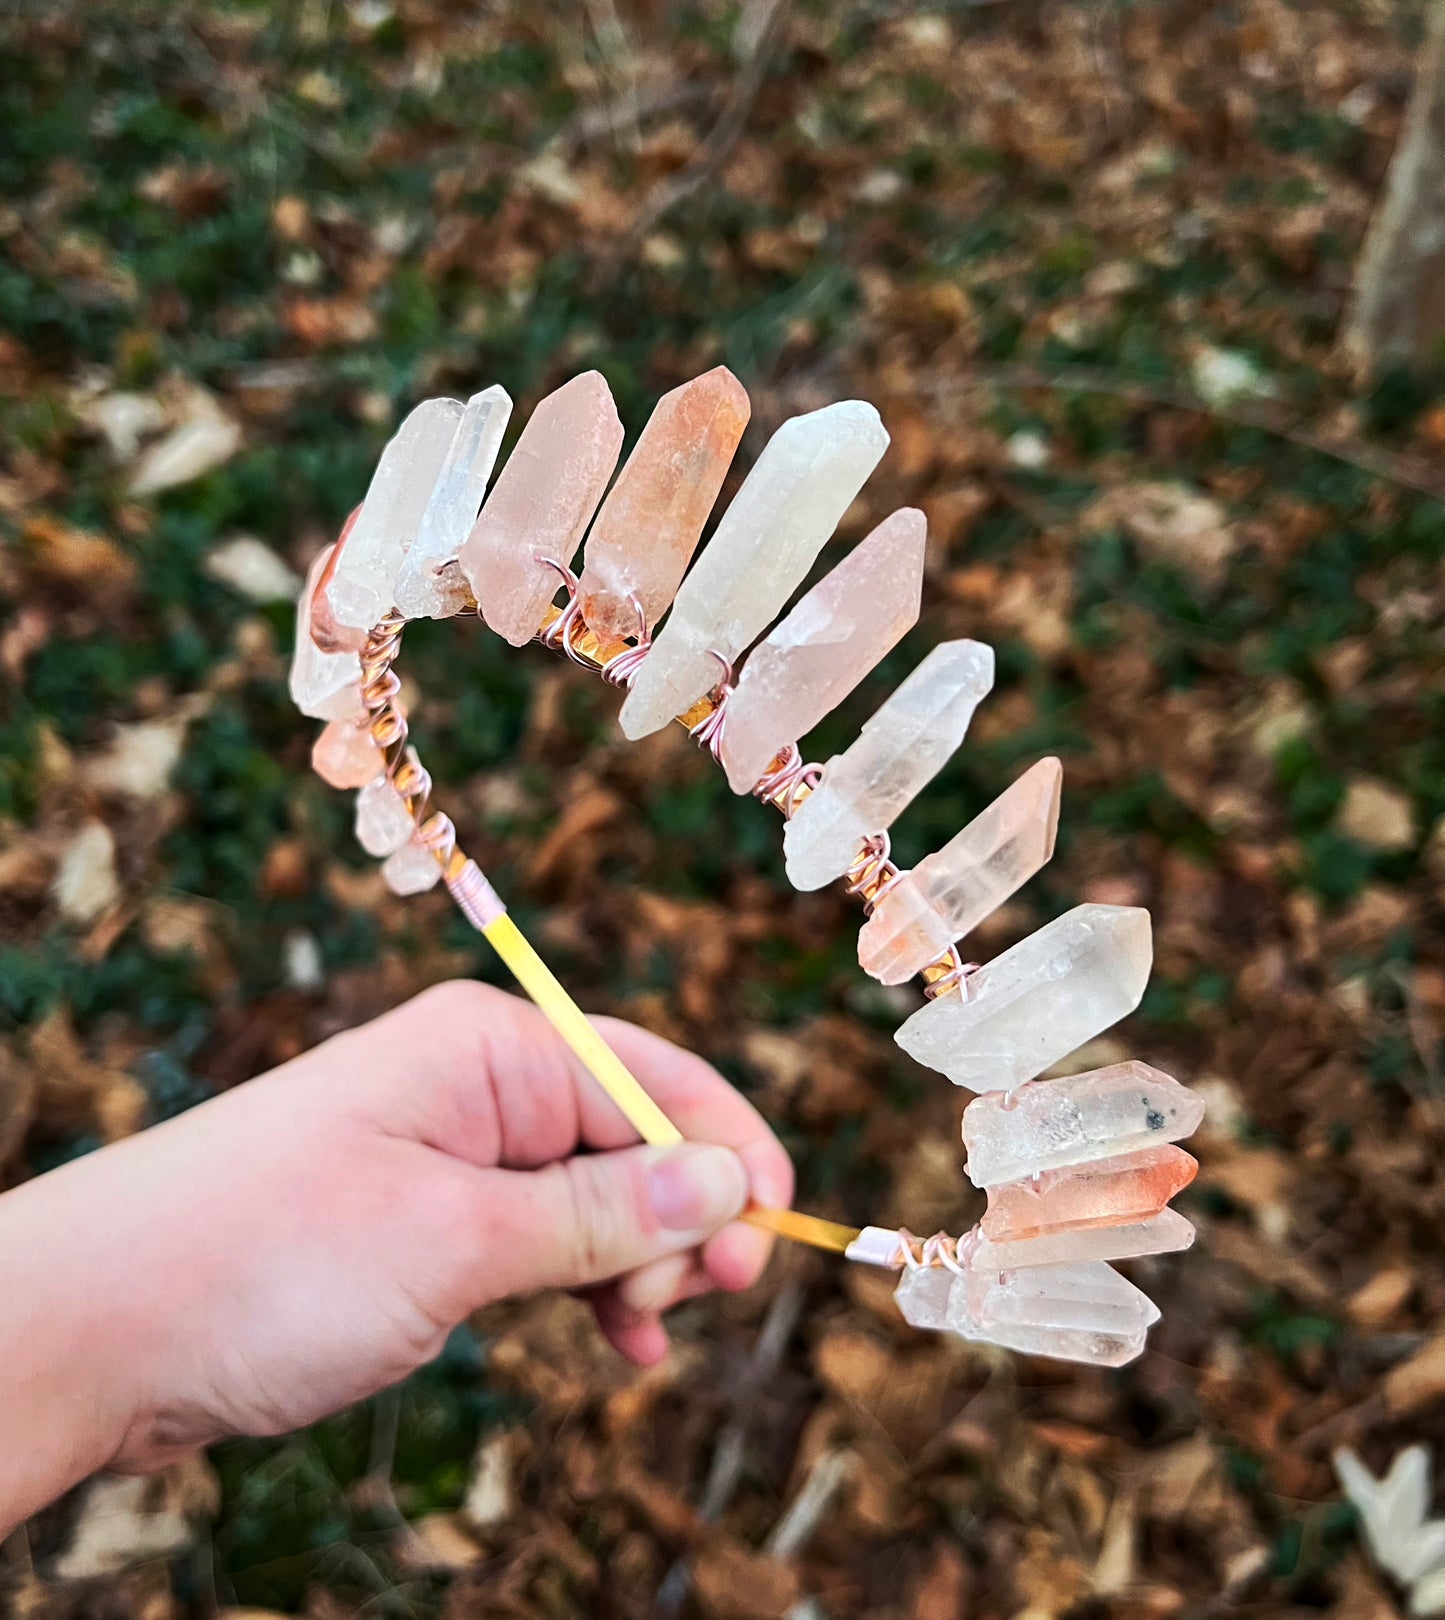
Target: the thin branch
(730, 1453)
(810, 1506)
(1262, 416)
(760, 25)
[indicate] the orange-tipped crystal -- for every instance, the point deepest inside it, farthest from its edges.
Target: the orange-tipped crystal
(651, 521)
(1107, 1193)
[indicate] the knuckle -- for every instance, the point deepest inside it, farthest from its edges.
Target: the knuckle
(604, 1209)
(455, 1000)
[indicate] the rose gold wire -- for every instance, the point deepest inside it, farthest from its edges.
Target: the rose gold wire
(708, 732)
(386, 719)
(956, 978)
(621, 669)
(914, 1253)
(788, 781)
(872, 873)
(559, 635)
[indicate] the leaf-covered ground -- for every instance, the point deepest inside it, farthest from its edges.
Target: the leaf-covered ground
(1090, 261)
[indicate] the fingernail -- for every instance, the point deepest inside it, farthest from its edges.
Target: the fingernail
(696, 1187)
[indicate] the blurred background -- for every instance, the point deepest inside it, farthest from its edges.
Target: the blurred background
(1174, 407)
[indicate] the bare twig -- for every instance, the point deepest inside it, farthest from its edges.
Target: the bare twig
(731, 1450)
(759, 26)
(619, 63)
(809, 1507)
(590, 124)
(1262, 416)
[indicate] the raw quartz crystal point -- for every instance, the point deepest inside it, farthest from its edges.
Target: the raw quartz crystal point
(1080, 1312)
(923, 1293)
(411, 869)
(423, 591)
(382, 821)
(653, 517)
(949, 893)
(540, 504)
(896, 755)
(1110, 1192)
(802, 484)
(1037, 1002)
(1054, 1124)
(1163, 1233)
(810, 662)
(345, 755)
(324, 685)
(363, 585)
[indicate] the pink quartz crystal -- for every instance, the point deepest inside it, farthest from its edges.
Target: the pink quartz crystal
(849, 620)
(540, 504)
(326, 632)
(324, 685)
(653, 517)
(345, 755)
(949, 893)
(1109, 1192)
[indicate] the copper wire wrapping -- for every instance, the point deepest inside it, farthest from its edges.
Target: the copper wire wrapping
(914, 1253)
(785, 785)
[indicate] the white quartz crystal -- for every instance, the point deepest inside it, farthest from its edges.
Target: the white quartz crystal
(1089, 1294)
(1160, 1234)
(1080, 1312)
(326, 686)
(1037, 1002)
(422, 590)
(1083, 1311)
(364, 584)
(1055, 1124)
(412, 869)
(922, 1296)
(898, 752)
(803, 482)
(382, 821)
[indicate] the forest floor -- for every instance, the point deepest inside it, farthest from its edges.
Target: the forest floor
(1091, 263)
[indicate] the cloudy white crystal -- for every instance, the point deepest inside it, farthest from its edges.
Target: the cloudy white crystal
(1079, 1312)
(896, 755)
(411, 869)
(423, 591)
(364, 584)
(1055, 1124)
(1163, 1233)
(803, 482)
(382, 821)
(1037, 1002)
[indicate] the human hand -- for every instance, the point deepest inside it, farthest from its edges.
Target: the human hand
(314, 1235)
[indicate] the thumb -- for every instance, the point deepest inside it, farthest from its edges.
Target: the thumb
(593, 1217)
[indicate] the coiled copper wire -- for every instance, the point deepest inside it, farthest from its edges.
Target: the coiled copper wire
(785, 785)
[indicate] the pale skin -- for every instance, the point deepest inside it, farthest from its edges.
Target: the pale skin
(314, 1235)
